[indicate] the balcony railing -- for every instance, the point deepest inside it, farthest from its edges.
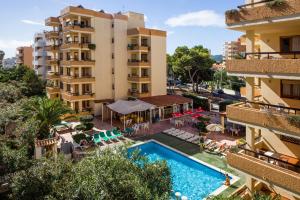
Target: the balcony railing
(254, 3)
(136, 78)
(266, 63)
(142, 47)
(79, 27)
(261, 11)
(272, 170)
(73, 61)
(273, 117)
(134, 62)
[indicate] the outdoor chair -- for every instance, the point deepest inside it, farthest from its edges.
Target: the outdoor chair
(110, 136)
(104, 137)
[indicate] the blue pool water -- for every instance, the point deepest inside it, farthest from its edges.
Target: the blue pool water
(190, 178)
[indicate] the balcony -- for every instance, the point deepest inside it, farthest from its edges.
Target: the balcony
(78, 45)
(53, 75)
(52, 21)
(137, 94)
(52, 48)
(275, 171)
(133, 78)
(266, 64)
(77, 79)
(52, 89)
(78, 27)
(52, 61)
(136, 47)
(51, 34)
(78, 62)
(136, 63)
(263, 115)
(261, 11)
(256, 94)
(75, 96)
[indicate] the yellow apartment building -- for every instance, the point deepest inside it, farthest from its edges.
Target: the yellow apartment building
(97, 57)
(24, 56)
(270, 159)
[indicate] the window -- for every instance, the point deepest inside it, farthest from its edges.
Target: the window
(112, 40)
(285, 44)
(288, 44)
(290, 89)
(112, 25)
(68, 88)
(112, 56)
(61, 85)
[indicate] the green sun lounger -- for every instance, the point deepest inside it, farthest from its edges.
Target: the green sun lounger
(104, 137)
(110, 136)
(117, 133)
(97, 138)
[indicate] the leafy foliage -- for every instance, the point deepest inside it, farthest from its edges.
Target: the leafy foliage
(223, 104)
(198, 101)
(276, 3)
(294, 120)
(191, 65)
(48, 112)
(111, 175)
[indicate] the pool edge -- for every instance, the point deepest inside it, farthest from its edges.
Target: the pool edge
(216, 192)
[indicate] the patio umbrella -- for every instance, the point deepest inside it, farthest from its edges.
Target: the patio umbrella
(214, 127)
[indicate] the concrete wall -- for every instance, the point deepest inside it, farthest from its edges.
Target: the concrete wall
(270, 89)
(120, 59)
(158, 66)
(103, 58)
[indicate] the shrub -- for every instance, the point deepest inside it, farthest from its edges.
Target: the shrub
(198, 101)
(231, 13)
(79, 137)
(276, 3)
(87, 118)
(92, 46)
(294, 120)
(201, 126)
(223, 104)
(80, 127)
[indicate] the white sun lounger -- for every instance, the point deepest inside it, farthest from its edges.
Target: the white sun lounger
(194, 138)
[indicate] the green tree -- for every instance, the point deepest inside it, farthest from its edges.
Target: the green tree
(9, 93)
(111, 175)
(48, 112)
(33, 84)
(192, 65)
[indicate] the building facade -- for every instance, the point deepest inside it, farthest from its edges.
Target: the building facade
(270, 159)
(234, 49)
(24, 56)
(40, 55)
(96, 57)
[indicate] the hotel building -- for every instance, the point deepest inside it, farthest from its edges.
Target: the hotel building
(270, 159)
(97, 57)
(40, 55)
(24, 56)
(234, 49)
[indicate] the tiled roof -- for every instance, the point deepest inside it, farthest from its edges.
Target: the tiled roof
(166, 100)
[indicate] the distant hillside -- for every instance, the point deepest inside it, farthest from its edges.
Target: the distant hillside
(217, 58)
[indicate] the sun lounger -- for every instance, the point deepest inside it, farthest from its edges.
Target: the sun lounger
(117, 133)
(194, 138)
(97, 138)
(185, 136)
(104, 137)
(110, 136)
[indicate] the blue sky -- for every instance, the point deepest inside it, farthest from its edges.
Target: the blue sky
(188, 22)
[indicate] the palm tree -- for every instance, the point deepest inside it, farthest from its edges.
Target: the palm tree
(48, 112)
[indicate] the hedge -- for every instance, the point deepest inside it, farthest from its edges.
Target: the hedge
(223, 104)
(198, 101)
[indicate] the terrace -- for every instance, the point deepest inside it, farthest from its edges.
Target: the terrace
(273, 117)
(279, 169)
(261, 11)
(267, 64)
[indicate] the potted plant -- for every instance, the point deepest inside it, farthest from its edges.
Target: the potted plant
(276, 3)
(92, 46)
(231, 13)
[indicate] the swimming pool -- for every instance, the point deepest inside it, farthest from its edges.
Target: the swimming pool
(190, 177)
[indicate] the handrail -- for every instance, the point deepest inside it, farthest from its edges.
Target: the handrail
(294, 53)
(274, 106)
(255, 3)
(255, 154)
